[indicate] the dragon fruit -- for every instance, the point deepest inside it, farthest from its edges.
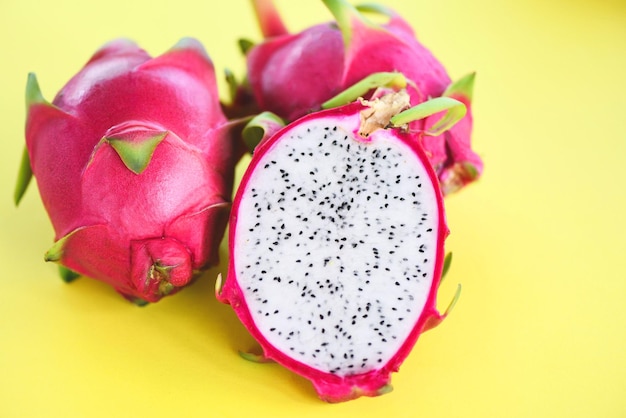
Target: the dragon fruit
(294, 74)
(337, 243)
(134, 162)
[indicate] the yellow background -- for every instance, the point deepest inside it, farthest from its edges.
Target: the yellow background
(539, 243)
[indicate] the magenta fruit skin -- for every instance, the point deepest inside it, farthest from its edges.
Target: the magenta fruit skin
(134, 164)
(293, 74)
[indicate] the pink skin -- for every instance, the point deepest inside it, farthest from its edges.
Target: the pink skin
(123, 224)
(462, 165)
(293, 74)
(333, 388)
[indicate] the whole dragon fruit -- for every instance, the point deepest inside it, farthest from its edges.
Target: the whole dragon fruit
(337, 243)
(134, 162)
(294, 74)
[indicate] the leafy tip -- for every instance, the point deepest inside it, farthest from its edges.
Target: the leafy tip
(24, 175)
(245, 45)
(447, 261)
(453, 302)
(67, 275)
(55, 253)
(255, 358)
(192, 44)
(260, 128)
(33, 92)
(462, 88)
(137, 152)
(454, 112)
(346, 16)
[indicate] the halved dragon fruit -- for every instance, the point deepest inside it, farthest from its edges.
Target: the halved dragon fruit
(337, 244)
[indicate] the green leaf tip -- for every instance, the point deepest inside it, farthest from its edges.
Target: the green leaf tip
(245, 45)
(455, 111)
(471, 170)
(255, 358)
(447, 261)
(33, 92)
(140, 302)
(454, 300)
(165, 288)
(67, 275)
(55, 253)
(463, 87)
(188, 43)
(136, 150)
(259, 128)
(232, 83)
(393, 80)
(346, 14)
(385, 389)
(219, 282)
(24, 176)
(375, 8)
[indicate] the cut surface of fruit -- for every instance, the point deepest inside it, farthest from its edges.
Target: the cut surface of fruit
(336, 250)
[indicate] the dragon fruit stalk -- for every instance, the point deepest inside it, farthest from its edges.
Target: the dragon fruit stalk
(134, 163)
(294, 74)
(337, 243)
